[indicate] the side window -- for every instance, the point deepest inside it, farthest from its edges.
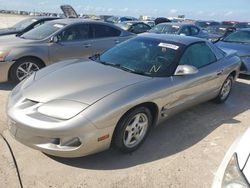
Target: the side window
(194, 31)
(75, 33)
(102, 31)
(198, 55)
(185, 30)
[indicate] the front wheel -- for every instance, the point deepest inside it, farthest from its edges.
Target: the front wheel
(132, 129)
(24, 68)
(225, 90)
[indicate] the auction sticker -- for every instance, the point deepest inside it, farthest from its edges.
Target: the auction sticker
(167, 45)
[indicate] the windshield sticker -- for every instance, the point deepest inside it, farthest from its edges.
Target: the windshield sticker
(155, 68)
(176, 26)
(58, 25)
(166, 45)
(34, 20)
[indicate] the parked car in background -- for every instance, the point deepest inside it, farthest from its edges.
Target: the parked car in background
(160, 20)
(234, 171)
(239, 41)
(77, 108)
(136, 27)
(55, 41)
(26, 25)
(206, 24)
(179, 29)
(119, 19)
(150, 23)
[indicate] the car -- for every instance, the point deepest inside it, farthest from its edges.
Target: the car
(136, 27)
(205, 24)
(239, 41)
(55, 41)
(119, 19)
(160, 20)
(234, 170)
(151, 23)
(26, 25)
(77, 108)
(179, 29)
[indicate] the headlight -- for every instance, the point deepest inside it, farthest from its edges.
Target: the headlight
(62, 109)
(3, 54)
(233, 177)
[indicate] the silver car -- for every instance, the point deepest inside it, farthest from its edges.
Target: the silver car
(180, 29)
(55, 41)
(77, 108)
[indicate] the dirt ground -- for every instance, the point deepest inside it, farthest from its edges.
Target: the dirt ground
(183, 152)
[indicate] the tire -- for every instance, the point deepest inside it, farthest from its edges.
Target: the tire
(28, 64)
(132, 129)
(225, 90)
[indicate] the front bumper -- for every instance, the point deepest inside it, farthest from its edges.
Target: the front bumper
(4, 70)
(75, 137)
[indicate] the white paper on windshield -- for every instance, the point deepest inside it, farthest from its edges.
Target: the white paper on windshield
(58, 25)
(166, 45)
(34, 20)
(176, 26)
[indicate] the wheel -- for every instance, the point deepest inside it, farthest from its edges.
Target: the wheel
(24, 68)
(225, 90)
(132, 129)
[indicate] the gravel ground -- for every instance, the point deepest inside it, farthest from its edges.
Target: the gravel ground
(185, 151)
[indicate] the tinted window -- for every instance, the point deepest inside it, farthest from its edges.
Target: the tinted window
(102, 31)
(240, 36)
(194, 31)
(144, 55)
(158, 28)
(185, 30)
(198, 55)
(74, 33)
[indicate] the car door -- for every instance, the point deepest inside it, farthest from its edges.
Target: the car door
(199, 87)
(104, 37)
(73, 42)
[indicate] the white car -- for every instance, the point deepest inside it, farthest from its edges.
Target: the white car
(234, 171)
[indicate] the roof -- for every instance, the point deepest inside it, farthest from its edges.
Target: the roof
(176, 24)
(44, 17)
(185, 40)
(68, 21)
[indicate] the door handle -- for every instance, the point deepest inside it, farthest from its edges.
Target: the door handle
(220, 72)
(87, 45)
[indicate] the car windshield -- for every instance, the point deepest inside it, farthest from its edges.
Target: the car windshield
(145, 56)
(23, 24)
(43, 31)
(238, 37)
(163, 28)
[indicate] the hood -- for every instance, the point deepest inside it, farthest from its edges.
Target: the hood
(8, 31)
(13, 41)
(82, 81)
(68, 11)
(242, 49)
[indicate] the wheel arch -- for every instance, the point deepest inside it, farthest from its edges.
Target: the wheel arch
(24, 57)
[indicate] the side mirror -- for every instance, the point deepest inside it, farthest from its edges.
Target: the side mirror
(54, 39)
(182, 70)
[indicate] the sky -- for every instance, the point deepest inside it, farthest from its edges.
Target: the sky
(238, 10)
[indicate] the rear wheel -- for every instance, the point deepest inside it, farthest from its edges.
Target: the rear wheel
(132, 129)
(24, 68)
(225, 90)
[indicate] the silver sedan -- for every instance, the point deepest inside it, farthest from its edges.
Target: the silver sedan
(55, 41)
(77, 108)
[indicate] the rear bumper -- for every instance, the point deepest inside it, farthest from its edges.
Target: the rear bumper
(4, 70)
